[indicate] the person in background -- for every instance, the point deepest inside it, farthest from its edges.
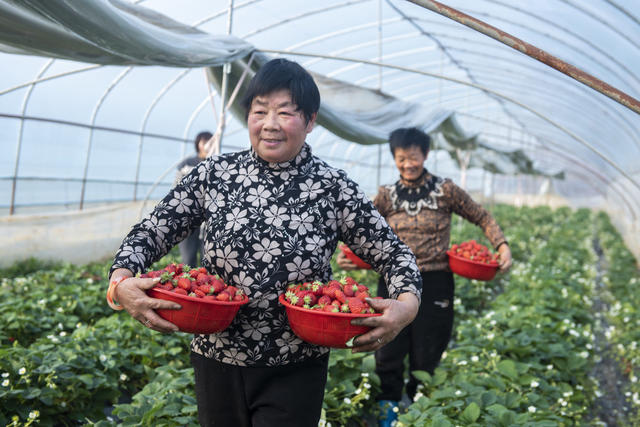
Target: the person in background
(191, 247)
(418, 207)
(273, 216)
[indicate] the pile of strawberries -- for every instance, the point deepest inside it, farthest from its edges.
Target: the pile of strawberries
(344, 296)
(475, 251)
(194, 282)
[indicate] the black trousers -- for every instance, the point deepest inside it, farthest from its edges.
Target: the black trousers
(424, 340)
(281, 396)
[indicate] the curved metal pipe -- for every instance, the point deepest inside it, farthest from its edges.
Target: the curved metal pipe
(25, 102)
(532, 51)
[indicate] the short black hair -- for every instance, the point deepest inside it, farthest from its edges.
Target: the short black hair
(409, 137)
(279, 74)
(202, 135)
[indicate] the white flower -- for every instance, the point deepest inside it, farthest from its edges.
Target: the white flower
(534, 384)
(63, 333)
(474, 358)
(458, 392)
(22, 371)
(123, 377)
(5, 375)
(59, 310)
(417, 396)
(5, 383)
(365, 374)
(34, 414)
(266, 250)
(102, 357)
(462, 362)
(531, 409)
(347, 401)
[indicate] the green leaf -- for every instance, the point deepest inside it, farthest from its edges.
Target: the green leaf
(440, 421)
(471, 413)
(423, 376)
(508, 369)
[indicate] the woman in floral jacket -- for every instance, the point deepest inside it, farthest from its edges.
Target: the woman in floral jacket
(272, 215)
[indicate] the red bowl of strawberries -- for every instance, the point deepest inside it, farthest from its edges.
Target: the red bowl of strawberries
(473, 260)
(321, 313)
(346, 250)
(208, 304)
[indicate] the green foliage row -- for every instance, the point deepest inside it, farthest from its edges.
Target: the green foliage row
(525, 360)
(520, 355)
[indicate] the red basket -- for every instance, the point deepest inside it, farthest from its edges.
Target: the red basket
(321, 327)
(197, 315)
(471, 269)
(346, 250)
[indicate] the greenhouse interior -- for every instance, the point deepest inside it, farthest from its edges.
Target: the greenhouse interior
(532, 108)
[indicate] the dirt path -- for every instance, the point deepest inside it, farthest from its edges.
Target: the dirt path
(612, 407)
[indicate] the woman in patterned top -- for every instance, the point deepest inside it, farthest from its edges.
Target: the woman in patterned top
(418, 207)
(272, 215)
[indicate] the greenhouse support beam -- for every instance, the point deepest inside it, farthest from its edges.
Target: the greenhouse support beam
(533, 52)
(477, 86)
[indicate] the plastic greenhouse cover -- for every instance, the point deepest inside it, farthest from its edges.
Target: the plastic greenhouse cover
(120, 33)
(521, 116)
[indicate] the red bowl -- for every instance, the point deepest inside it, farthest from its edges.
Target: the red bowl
(197, 315)
(346, 250)
(471, 269)
(323, 328)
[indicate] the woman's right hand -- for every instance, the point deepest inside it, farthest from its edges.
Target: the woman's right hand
(131, 293)
(344, 262)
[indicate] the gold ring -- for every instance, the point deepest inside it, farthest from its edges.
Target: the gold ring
(379, 340)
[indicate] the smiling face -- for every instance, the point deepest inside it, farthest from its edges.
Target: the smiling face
(410, 161)
(277, 128)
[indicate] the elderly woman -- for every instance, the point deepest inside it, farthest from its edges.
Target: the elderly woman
(418, 207)
(272, 215)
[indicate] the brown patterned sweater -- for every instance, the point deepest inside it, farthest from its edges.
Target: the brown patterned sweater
(420, 214)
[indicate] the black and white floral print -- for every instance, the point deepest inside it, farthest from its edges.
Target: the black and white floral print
(268, 225)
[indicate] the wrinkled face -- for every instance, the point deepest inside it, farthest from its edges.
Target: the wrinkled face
(277, 128)
(410, 161)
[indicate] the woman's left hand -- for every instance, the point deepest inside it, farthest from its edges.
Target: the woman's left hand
(396, 314)
(505, 258)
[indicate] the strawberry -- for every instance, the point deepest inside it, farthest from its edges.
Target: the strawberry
(350, 290)
(362, 295)
(309, 298)
(331, 308)
(184, 283)
(223, 296)
(217, 285)
(202, 278)
(180, 291)
(356, 305)
(199, 293)
(168, 286)
(324, 300)
(206, 289)
(239, 296)
(339, 295)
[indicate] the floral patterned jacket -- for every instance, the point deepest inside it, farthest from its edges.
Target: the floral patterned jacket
(268, 225)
